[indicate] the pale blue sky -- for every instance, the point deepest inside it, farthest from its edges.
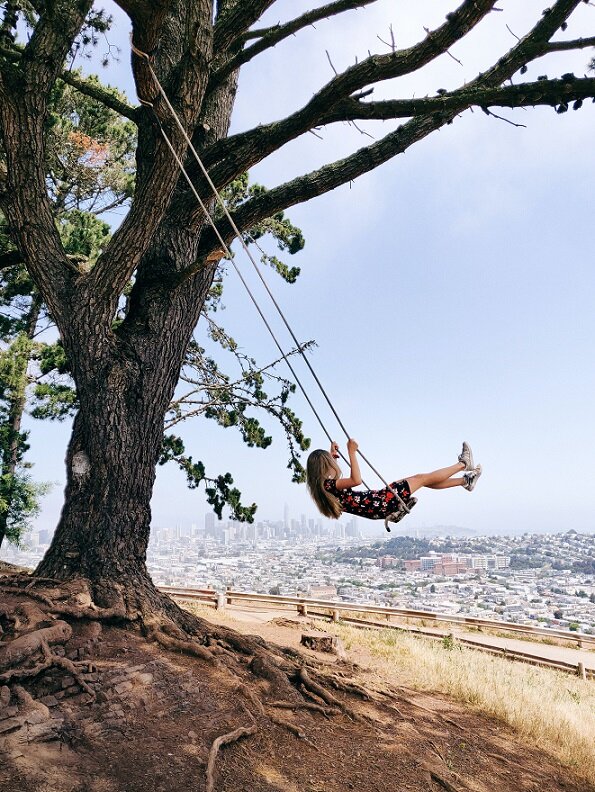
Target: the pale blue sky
(450, 292)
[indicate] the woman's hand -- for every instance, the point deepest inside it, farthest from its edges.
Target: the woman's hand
(335, 450)
(355, 479)
(351, 446)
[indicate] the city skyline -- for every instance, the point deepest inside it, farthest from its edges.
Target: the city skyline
(549, 579)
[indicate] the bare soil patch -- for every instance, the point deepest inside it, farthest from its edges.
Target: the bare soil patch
(148, 719)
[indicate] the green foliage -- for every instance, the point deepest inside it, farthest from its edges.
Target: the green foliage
(449, 643)
(19, 495)
(288, 237)
(574, 626)
(83, 235)
(53, 401)
(230, 402)
(90, 152)
(218, 490)
(19, 503)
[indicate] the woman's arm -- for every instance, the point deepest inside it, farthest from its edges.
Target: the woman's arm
(355, 479)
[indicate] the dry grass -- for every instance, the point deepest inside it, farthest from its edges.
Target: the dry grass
(549, 709)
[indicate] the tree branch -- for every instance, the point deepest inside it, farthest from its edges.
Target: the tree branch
(100, 94)
(541, 92)
(315, 183)
(147, 19)
(182, 67)
(330, 176)
(234, 21)
(271, 36)
(534, 44)
(25, 90)
(580, 43)
(46, 51)
(85, 86)
(243, 150)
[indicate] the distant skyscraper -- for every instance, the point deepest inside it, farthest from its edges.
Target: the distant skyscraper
(286, 516)
(210, 524)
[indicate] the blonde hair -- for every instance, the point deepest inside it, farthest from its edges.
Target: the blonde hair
(321, 466)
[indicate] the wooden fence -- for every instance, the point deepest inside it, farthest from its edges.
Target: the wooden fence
(335, 611)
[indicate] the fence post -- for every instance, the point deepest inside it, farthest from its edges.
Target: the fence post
(581, 671)
(302, 609)
(335, 616)
(221, 601)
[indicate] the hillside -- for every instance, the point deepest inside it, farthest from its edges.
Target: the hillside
(157, 716)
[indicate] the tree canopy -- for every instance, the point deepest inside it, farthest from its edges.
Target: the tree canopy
(126, 316)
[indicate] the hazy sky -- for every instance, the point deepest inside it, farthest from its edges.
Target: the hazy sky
(450, 292)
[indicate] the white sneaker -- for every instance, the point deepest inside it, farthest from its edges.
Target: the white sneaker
(466, 457)
(471, 478)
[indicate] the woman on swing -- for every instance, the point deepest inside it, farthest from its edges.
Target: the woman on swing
(334, 495)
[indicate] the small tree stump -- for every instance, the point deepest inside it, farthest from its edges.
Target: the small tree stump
(321, 642)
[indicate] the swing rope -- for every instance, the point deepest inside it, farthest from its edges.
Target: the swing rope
(239, 235)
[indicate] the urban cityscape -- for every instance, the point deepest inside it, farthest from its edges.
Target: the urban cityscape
(534, 578)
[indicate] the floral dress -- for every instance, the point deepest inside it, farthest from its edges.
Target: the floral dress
(373, 504)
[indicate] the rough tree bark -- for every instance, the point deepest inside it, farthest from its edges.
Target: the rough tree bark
(125, 377)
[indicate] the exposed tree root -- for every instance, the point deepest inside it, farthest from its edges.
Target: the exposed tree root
(117, 614)
(157, 634)
(349, 687)
(318, 690)
(433, 713)
(442, 782)
(267, 677)
(225, 739)
(10, 589)
(50, 660)
(72, 668)
(326, 711)
(296, 730)
(20, 649)
(289, 726)
(252, 697)
(312, 696)
(436, 750)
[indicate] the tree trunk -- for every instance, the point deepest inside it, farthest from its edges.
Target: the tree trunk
(13, 423)
(104, 526)
(117, 435)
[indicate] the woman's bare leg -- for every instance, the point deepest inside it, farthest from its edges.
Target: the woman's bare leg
(451, 482)
(437, 479)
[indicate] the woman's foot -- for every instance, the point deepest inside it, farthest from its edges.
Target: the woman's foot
(466, 457)
(471, 478)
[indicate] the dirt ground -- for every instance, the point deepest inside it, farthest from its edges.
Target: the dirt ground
(158, 713)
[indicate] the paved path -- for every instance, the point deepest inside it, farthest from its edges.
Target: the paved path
(535, 648)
